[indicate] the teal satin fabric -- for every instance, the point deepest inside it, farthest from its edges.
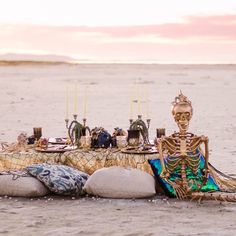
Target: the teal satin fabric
(195, 181)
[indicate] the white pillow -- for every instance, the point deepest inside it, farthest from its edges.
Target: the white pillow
(21, 187)
(119, 182)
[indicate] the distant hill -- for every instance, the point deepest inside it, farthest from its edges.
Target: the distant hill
(12, 57)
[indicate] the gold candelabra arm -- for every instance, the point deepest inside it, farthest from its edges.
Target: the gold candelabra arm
(69, 141)
(75, 116)
(67, 123)
(148, 123)
(131, 121)
(84, 122)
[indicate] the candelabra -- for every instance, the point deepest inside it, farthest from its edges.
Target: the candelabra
(143, 127)
(76, 130)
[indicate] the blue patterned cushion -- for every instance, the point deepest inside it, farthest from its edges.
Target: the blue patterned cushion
(60, 179)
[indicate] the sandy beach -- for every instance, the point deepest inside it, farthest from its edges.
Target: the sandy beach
(33, 95)
(91, 216)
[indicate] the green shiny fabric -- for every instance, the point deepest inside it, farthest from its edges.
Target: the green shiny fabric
(195, 181)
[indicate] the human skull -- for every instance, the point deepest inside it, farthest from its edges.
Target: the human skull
(182, 113)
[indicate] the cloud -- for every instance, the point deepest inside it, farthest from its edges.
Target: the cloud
(217, 26)
(202, 37)
(222, 27)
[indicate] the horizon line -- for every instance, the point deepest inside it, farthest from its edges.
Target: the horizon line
(90, 61)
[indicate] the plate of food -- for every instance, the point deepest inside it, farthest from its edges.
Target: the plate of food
(61, 141)
(140, 150)
(56, 148)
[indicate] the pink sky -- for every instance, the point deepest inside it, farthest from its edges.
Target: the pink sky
(198, 37)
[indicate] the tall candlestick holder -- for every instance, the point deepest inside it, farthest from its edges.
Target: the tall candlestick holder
(131, 121)
(67, 123)
(143, 127)
(84, 122)
(75, 117)
(86, 128)
(148, 122)
(74, 130)
(68, 140)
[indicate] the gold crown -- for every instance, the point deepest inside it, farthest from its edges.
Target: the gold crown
(181, 99)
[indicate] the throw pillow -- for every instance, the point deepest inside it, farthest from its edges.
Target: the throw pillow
(119, 182)
(60, 179)
(23, 186)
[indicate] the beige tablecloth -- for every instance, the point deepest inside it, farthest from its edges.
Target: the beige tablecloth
(87, 161)
(18, 161)
(90, 161)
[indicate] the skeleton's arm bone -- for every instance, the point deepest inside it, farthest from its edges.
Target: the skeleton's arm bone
(160, 148)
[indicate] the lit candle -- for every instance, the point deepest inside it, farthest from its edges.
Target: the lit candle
(85, 101)
(76, 98)
(131, 103)
(139, 100)
(67, 103)
(147, 102)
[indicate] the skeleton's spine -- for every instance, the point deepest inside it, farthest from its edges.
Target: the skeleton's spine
(183, 175)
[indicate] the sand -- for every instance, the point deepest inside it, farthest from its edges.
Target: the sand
(91, 216)
(34, 95)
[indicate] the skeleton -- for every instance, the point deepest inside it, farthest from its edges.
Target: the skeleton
(181, 149)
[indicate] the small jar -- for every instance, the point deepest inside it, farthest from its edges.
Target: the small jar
(121, 141)
(133, 137)
(85, 142)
